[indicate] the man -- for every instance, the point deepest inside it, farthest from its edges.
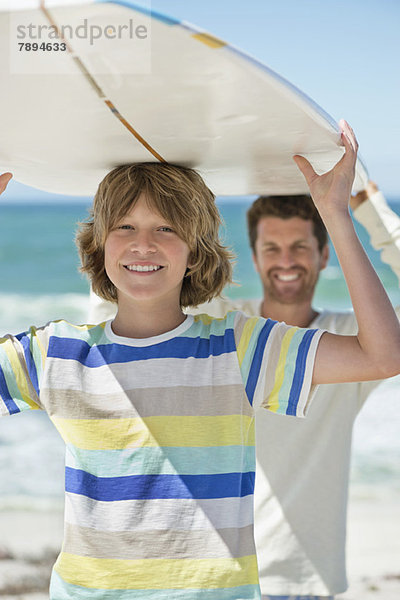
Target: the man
(300, 505)
(303, 469)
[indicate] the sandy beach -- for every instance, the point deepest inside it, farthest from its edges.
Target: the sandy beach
(373, 549)
(30, 542)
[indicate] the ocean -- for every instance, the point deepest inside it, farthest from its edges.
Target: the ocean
(41, 282)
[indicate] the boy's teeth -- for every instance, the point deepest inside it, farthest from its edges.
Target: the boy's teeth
(143, 267)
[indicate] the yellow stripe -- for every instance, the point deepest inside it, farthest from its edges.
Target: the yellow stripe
(209, 40)
(273, 403)
(205, 319)
(245, 338)
(37, 343)
(20, 376)
(117, 434)
(112, 574)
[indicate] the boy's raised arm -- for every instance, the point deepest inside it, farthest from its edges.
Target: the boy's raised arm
(375, 352)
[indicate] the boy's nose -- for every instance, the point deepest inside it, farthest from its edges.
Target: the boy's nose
(143, 242)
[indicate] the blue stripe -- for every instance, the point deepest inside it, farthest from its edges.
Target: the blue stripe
(257, 360)
(298, 377)
(25, 341)
(62, 590)
(11, 406)
(99, 355)
(141, 9)
(151, 487)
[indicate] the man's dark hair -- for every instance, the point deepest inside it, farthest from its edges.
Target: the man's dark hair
(286, 207)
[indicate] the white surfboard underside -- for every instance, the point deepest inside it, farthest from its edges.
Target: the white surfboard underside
(199, 102)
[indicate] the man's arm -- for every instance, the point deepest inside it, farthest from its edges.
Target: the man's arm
(374, 353)
(382, 223)
(4, 179)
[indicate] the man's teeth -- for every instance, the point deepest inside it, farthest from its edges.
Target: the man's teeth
(143, 268)
(293, 277)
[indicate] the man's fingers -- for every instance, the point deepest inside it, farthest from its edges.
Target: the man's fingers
(4, 179)
(305, 167)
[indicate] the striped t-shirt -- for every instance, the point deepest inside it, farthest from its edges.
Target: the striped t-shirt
(159, 448)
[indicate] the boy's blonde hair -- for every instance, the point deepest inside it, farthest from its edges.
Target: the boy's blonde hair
(181, 197)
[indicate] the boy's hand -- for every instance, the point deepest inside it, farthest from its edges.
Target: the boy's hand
(331, 191)
(4, 179)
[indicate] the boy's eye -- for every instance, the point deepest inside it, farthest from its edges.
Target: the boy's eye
(124, 226)
(165, 228)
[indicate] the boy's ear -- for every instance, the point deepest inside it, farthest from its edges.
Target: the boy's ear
(188, 267)
(191, 261)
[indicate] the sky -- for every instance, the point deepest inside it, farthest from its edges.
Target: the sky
(344, 54)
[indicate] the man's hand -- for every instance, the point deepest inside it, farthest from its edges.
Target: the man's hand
(331, 191)
(362, 196)
(4, 179)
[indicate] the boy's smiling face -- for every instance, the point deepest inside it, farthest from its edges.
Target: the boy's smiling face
(145, 259)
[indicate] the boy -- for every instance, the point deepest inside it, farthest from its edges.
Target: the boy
(156, 408)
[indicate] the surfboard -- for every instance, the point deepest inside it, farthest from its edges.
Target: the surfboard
(112, 83)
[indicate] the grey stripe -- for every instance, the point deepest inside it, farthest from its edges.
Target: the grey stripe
(143, 374)
(218, 513)
(148, 402)
(156, 544)
(240, 322)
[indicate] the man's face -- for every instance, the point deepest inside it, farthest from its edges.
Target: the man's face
(288, 259)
